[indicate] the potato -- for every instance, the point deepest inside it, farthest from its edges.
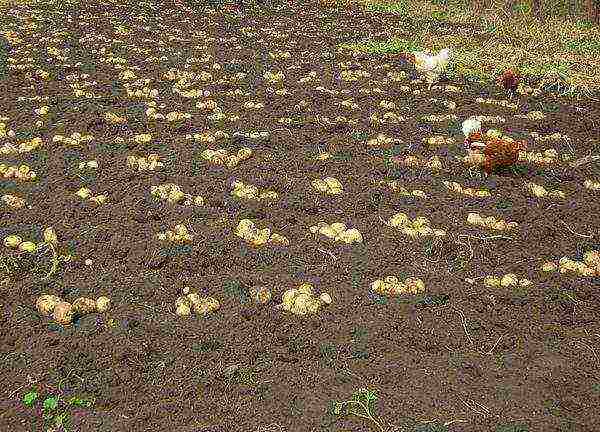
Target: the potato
(213, 304)
(46, 303)
(260, 295)
(183, 310)
(102, 304)
(63, 313)
(84, 305)
(305, 288)
(325, 298)
(193, 298)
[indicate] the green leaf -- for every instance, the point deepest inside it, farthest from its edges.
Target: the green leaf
(30, 398)
(50, 403)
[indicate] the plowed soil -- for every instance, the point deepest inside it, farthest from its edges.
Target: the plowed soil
(461, 356)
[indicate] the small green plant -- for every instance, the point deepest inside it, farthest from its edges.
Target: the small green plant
(512, 427)
(361, 405)
(328, 353)
(234, 289)
(55, 410)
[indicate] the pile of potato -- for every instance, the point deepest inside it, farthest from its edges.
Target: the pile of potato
(387, 118)
(591, 185)
(548, 157)
(337, 231)
(539, 191)
(392, 286)
(301, 300)
(92, 164)
(508, 280)
(178, 235)
(437, 141)
(249, 232)
(382, 141)
(491, 222)
(590, 266)
(394, 185)
(193, 302)
(21, 173)
(419, 227)
(12, 201)
(113, 118)
(329, 185)
(74, 140)
(260, 295)
(456, 187)
(84, 193)
(14, 241)
(23, 147)
(64, 312)
(149, 163)
(173, 194)
(246, 191)
(222, 156)
(253, 135)
(433, 163)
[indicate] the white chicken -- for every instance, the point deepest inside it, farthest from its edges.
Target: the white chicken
(431, 66)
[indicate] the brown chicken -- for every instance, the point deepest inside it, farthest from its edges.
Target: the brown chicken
(500, 153)
(510, 81)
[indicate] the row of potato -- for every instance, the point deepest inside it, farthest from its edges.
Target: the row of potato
(337, 231)
(179, 234)
(86, 194)
(456, 187)
(506, 281)
(223, 157)
(144, 163)
(392, 286)
(173, 194)
(12, 201)
(22, 172)
(248, 191)
(248, 231)
(329, 185)
(491, 222)
(394, 185)
(540, 191)
(589, 266)
(418, 227)
(189, 302)
(23, 147)
(64, 312)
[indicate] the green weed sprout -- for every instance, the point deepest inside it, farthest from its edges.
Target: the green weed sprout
(52, 404)
(361, 405)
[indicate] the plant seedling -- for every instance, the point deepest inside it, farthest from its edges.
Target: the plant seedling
(361, 405)
(52, 404)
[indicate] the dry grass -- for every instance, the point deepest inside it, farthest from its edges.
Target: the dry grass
(561, 48)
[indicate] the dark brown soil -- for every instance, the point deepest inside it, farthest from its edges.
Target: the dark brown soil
(471, 357)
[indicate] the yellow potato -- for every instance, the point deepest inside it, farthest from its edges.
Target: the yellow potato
(306, 288)
(325, 298)
(63, 313)
(492, 282)
(509, 279)
(420, 222)
(183, 310)
(102, 304)
(378, 286)
(288, 298)
(45, 304)
(549, 267)
(84, 305)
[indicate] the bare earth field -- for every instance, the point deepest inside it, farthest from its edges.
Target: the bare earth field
(491, 337)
